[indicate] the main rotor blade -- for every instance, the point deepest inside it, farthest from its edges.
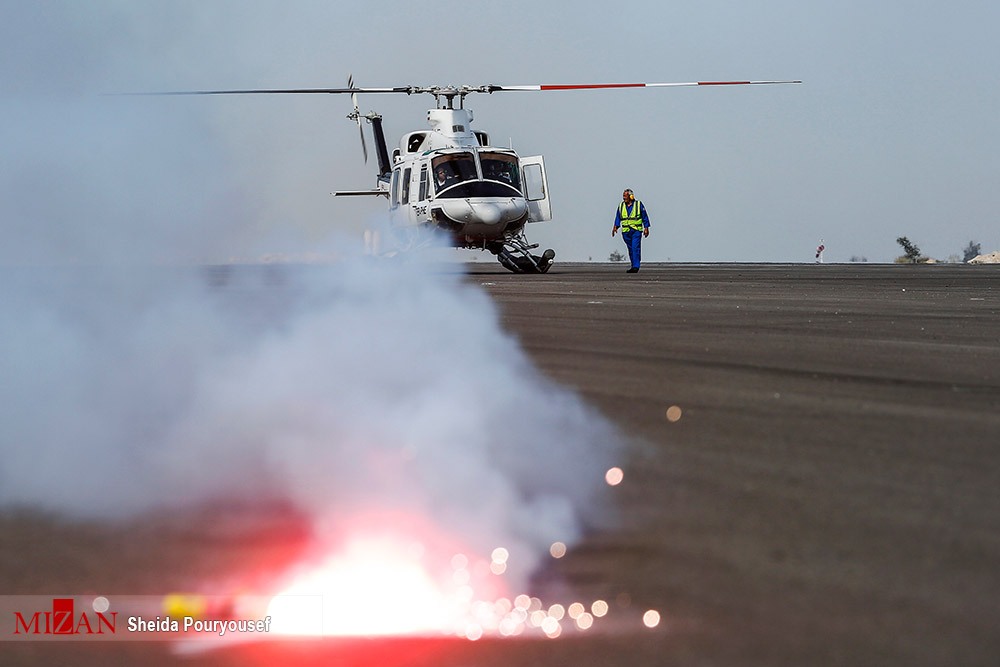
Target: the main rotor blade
(592, 86)
(280, 91)
(451, 91)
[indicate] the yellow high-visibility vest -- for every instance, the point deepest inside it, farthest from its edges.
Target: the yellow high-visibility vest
(631, 221)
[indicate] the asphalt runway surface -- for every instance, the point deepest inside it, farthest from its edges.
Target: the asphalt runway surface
(825, 491)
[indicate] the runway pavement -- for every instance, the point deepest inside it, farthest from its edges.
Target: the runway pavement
(830, 492)
(825, 490)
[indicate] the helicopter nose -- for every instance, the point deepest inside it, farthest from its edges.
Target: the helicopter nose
(484, 212)
(487, 212)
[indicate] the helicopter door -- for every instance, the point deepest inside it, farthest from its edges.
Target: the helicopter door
(536, 188)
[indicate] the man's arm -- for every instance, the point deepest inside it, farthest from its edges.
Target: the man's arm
(618, 221)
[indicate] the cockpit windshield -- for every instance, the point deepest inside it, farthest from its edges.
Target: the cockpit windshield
(453, 169)
(501, 167)
(455, 175)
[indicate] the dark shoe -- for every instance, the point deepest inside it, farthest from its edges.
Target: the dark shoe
(634, 269)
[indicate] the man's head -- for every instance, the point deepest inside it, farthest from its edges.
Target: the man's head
(627, 196)
(440, 173)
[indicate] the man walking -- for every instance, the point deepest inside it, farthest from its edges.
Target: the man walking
(634, 222)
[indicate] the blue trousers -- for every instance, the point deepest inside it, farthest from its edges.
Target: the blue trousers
(633, 241)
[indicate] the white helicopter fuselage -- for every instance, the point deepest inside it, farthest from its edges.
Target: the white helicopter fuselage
(450, 179)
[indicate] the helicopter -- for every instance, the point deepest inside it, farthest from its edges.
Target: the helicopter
(449, 180)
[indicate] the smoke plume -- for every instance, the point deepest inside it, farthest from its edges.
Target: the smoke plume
(356, 389)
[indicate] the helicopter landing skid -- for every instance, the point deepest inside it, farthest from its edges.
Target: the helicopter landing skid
(514, 254)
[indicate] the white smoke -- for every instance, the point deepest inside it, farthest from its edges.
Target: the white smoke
(360, 388)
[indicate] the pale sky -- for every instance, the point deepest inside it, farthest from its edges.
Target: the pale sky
(893, 133)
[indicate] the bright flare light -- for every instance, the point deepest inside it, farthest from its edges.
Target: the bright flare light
(373, 588)
(381, 586)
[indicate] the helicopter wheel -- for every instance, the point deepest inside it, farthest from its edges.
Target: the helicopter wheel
(544, 262)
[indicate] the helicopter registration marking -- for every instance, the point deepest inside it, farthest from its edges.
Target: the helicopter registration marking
(421, 210)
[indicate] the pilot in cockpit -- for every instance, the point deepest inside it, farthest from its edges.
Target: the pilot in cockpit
(443, 178)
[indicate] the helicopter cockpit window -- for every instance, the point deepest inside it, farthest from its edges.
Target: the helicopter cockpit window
(451, 170)
(501, 167)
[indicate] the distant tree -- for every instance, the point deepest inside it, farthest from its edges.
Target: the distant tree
(858, 258)
(616, 256)
(910, 251)
(972, 250)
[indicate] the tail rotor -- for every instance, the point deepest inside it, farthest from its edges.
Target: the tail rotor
(356, 115)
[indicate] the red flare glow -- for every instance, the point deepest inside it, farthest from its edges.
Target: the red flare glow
(387, 582)
(374, 587)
